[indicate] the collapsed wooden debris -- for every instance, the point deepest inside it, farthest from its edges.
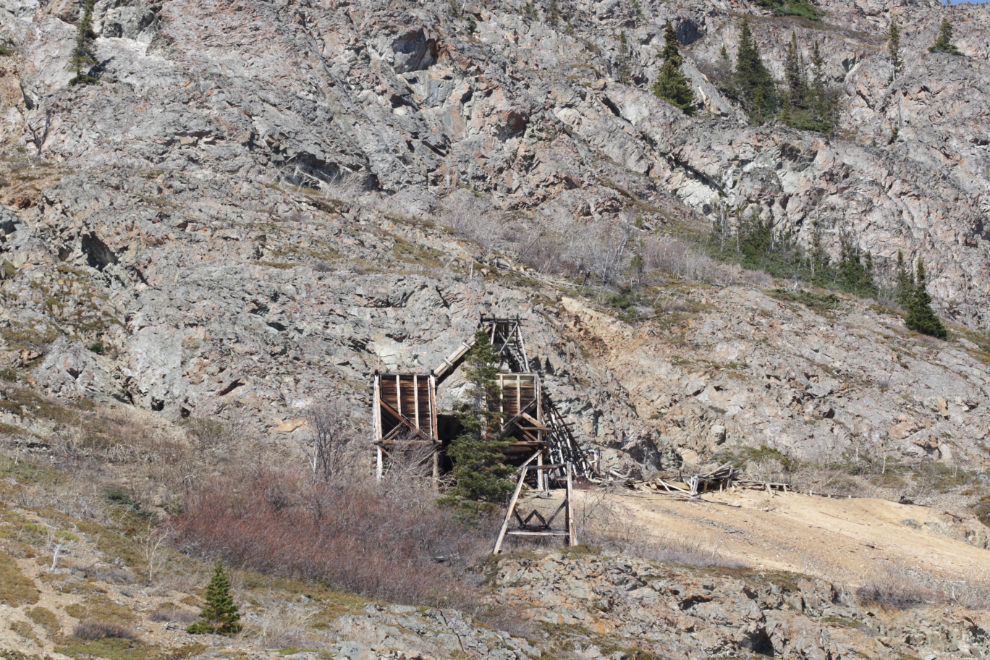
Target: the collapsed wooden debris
(722, 478)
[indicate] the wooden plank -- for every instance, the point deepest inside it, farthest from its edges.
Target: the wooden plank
(416, 401)
(378, 428)
(518, 397)
(522, 344)
(572, 537)
(434, 431)
(540, 479)
(539, 404)
(403, 420)
(552, 533)
(398, 396)
(536, 424)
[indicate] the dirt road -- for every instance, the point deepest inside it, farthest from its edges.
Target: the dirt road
(839, 539)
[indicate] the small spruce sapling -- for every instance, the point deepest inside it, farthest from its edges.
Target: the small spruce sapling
(944, 41)
(905, 282)
(220, 615)
(83, 57)
(672, 85)
(894, 48)
(921, 318)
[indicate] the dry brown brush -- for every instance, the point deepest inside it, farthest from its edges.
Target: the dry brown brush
(91, 630)
(387, 541)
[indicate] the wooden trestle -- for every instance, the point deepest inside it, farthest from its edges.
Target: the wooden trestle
(544, 526)
(406, 415)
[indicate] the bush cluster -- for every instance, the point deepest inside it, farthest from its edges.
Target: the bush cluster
(387, 541)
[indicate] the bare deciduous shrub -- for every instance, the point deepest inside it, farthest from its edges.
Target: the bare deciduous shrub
(545, 255)
(684, 260)
(385, 541)
(894, 587)
(91, 630)
(173, 615)
(280, 623)
(333, 440)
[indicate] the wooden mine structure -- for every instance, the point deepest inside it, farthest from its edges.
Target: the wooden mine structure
(406, 416)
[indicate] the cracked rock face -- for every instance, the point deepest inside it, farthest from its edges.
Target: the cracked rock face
(252, 211)
(601, 602)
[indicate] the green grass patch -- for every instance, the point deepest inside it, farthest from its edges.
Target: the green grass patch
(98, 607)
(111, 649)
(982, 510)
(16, 589)
(45, 618)
(801, 8)
(810, 299)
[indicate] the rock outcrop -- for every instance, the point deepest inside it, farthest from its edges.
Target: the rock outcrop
(261, 203)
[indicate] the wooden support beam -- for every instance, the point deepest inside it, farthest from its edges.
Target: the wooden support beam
(508, 515)
(378, 427)
(572, 537)
(434, 431)
(405, 421)
(416, 401)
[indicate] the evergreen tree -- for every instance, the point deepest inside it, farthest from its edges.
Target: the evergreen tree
(921, 318)
(853, 274)
(219, 615)
(894, 48)
(785, 110)
(818, 63)
(479, 464)
(905, 282)
(944, 40)
(624, 68)
(794, 74)
(753, 82)
(83, 57)
(672, 85)
(553, 13)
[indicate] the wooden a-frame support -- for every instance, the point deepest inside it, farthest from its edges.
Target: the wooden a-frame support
(545, 526)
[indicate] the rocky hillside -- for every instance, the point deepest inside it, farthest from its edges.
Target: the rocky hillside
(260, 203)
(88, 562)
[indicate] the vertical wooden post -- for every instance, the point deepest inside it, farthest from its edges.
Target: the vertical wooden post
(540, 479)
(398, 394)
(416, 400)
(571, 536)
(522, 345)
(538, 390)
(518, 394)
(378, 426)
(436, 468)
(434, 431)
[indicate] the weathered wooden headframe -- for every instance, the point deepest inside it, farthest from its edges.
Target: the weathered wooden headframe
(406, 415)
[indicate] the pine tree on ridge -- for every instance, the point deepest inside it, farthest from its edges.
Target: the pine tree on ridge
(944, 41)
(83, 57)
(921, 318)
(672, 85)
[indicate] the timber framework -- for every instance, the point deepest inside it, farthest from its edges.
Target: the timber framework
(407, 419)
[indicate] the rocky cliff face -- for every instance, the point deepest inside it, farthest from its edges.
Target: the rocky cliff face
(263, 202)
